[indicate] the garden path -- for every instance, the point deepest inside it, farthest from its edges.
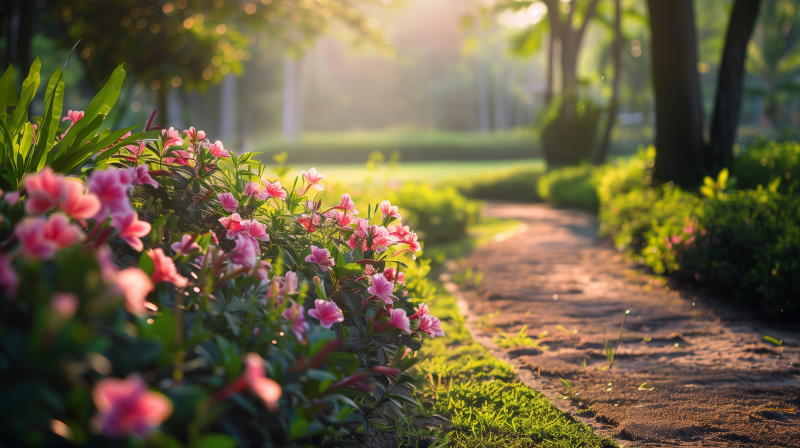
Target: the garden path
(716, 381)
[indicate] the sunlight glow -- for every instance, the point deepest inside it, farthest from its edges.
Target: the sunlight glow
(523, 17)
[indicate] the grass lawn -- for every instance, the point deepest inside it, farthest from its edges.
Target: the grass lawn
(481, 396)
(358, 173)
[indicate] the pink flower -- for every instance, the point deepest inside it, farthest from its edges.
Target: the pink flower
(217, 150)
(131, 229)
(430, 325)
(12, 197)
(421, 311)
(382, 288)
(61, 233)
(321, 257)
(75, 203)
(171, 138)
(362, 225)
(9, 281)
(164, 269)
(390, 275)
(347, 204)
(184, 157)
(141, 176)
(313, 178)
(399, 231)
(342, 218)
(290, 283)
(251, 189)
(255, 375)
(126, 407)
(676, 239)
(390, 210)
(73, 116)
(111, 188)
(233, 224)
(246, 252)
(413, 245)
(194, 135)
(328, 313)
(185, 245)
(381, 238)
(272, 190)
(295, 315)
(256, 230)
(228, 202)
(399, 320)
(64, 304)
(305, 221)
(41, 239)
(134, 285)
(43, 191)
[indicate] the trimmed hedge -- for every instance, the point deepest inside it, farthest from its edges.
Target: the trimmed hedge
(515, 186)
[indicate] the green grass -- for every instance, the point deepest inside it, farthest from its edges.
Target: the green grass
(481, 396)
(358, 173)
(356, 147)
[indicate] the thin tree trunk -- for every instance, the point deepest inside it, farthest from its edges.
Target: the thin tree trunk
(679, 113)
(499, 99)
(483, 92)
(20, 28)
(307, 68)
(548, 93)
(288, 125)
(613, 106)
(727, 106)
(227, 108)
(161, 97)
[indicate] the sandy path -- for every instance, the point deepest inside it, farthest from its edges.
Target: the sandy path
(716, 381)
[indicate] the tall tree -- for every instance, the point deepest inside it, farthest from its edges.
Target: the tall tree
(613, 105)
(679, 112)
(682, 155)
(728, 102)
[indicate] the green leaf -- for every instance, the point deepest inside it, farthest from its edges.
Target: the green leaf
(146, 264)
(298, 427)
(722, 178)
(29, 88)
(216, 441)
(54, 101)
(8, 90)
(777, 342)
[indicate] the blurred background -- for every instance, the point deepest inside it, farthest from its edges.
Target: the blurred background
(429, 88)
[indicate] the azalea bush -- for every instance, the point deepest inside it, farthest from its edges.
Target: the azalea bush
(165, 289)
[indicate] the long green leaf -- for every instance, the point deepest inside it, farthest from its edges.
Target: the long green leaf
(99, 107)
(8, 91)
(29, 88)
(54, 101)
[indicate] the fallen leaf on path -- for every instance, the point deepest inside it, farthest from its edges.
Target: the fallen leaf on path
(790, 411)
(646, 386)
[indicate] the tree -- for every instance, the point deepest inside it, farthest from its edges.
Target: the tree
(682, 155)
(613, 105)
(193, 43)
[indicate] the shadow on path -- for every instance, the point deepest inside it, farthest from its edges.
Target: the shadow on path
(716, 381)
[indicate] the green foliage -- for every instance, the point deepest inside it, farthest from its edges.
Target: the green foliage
(511, 185)
(568, 131)
(521, 339)
(25, 148)
(570, 187)
(742, 243)
(762, 163)
(439, 215)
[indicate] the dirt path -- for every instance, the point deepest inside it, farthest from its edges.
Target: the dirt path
(716, 381)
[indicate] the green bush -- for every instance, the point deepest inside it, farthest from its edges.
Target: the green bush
(745, 243)
(570, 187)
(515, 186)
(762, 163)
(439, 215)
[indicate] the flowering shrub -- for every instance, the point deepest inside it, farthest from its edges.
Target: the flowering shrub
(178, 294)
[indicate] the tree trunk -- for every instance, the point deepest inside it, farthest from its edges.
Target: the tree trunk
(483, 91)
(548, 93)
(288, 99)
(613, 106)
(727, 106)
(499, 99)
(20, 29)
(161, 98)
(679, 114)
(227, 119)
